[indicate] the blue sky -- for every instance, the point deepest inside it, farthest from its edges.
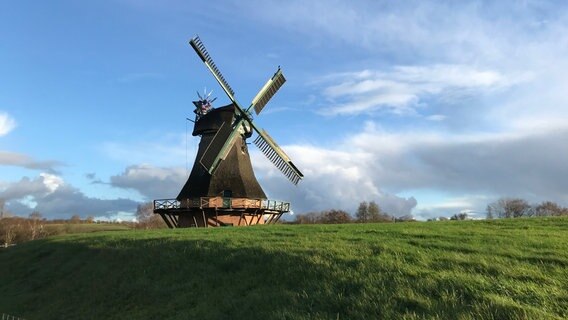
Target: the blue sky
(428, 108)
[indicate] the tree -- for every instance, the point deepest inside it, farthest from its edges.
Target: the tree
(459, 216)
(335, 216)
(510, 208)
(549, 208)
(146, 217)
(489, 211)
(144, 211)
(8, 233)
(75, 218)
(374, 211)
(308, 218)
(376, 214)
(362, 213)
(517, 207)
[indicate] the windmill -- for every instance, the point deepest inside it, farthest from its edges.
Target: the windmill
(222, 189)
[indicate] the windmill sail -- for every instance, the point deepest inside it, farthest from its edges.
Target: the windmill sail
(227, 134)
(277, 156)
(218, 148)
(268, 91)
(199, 48)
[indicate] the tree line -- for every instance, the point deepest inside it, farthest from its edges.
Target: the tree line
(517, 208)
(367, 212)
(18, 229)
(371, 212)
(15, 229)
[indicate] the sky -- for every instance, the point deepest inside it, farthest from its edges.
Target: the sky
(428, 108)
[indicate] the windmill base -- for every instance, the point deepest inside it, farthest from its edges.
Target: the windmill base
(197, 219)
(219, 212)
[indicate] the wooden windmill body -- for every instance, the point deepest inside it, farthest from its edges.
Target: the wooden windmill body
(222, 189)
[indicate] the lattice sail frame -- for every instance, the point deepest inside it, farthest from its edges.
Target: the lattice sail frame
(226, 137)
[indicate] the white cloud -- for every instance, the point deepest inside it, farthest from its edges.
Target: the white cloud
(53, 198)
(468, 31)
(402, 89)
(7, 123)
(51, 181)
(334, 178)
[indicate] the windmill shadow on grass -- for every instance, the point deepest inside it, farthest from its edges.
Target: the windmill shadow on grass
(161, 278)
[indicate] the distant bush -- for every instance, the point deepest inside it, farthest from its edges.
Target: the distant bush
(15, 230)
(460, 216)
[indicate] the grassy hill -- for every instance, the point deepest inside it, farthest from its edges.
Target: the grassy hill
(504, 269)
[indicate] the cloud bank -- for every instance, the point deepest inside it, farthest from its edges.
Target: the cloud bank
(55, 199)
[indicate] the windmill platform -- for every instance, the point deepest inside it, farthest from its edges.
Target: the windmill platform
(219, 211)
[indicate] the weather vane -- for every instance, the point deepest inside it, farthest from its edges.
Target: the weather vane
(204, 104)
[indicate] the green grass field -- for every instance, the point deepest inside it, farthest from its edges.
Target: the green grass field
(503, 269)
(63, 228)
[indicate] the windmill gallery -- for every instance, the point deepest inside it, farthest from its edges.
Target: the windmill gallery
(222, 189)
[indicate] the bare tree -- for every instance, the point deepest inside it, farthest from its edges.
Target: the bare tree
(489, 211)
(549, 208)
(510, 208)
(9, 235)
(308, 218)
(335, 216)
(146, 217)
(35, 227)
(144, 211)
(371, 212)
(362, 213)
(328, 216)
(9, 229)
(374, 211)
(376, 214)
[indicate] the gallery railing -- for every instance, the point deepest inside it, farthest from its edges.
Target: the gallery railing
(222, 203)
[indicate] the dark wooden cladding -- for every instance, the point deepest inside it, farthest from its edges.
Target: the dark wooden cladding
(215, 146)
(234, 174)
